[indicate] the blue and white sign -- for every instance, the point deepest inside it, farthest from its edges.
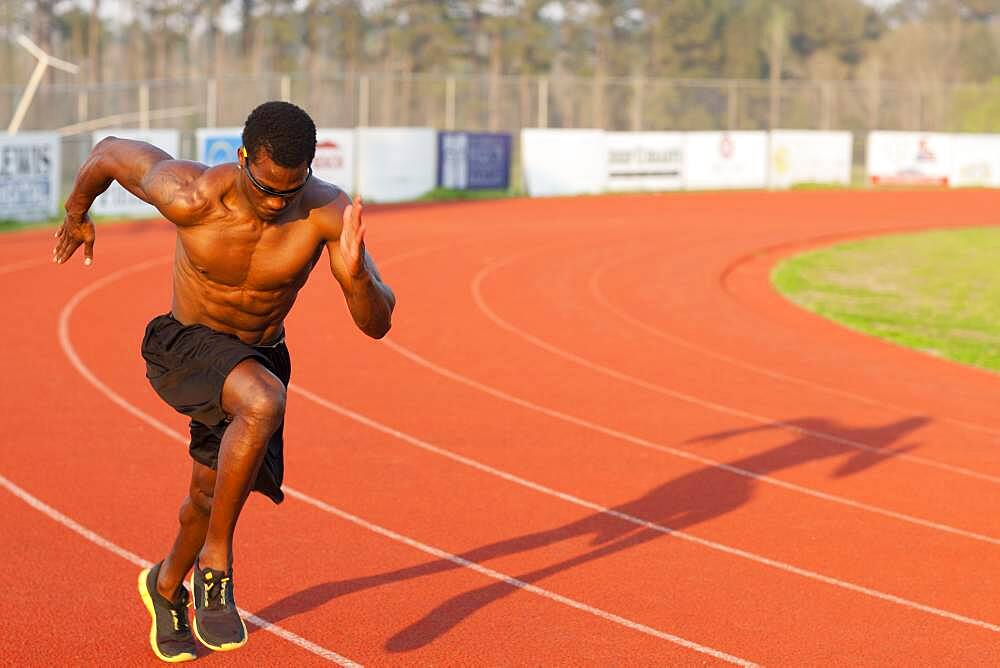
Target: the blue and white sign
(474, 161)
(29, 176)
(217, 146)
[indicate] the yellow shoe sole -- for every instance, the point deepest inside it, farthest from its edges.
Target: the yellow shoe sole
(224, 647)
(148, 602)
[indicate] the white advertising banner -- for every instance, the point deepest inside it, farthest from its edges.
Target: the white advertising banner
(116, 201)
(806, 156)
(909, 158)
(29, 176)
(564, 162)
(334, 161)
(719, 160)
(396, 164)
(975, 161)
(645, 160)
(217, 146)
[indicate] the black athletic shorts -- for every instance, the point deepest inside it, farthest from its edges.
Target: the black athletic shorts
(187, 366)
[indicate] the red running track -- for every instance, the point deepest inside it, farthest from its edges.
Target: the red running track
(594, 436)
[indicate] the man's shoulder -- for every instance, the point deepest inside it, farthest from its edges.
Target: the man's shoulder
(210, 184)
(325, 204)
(186, 191)
(213, 181)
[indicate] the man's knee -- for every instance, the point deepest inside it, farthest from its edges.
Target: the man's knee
(254, 394)
(266, 404)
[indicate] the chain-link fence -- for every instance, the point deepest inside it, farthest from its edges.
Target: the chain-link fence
(504, 103)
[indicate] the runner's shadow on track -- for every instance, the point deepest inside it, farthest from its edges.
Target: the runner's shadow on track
(678, 504)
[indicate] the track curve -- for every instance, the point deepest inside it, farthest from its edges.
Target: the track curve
(595, 435)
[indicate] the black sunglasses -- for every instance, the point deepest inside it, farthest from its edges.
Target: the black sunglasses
(277, 193)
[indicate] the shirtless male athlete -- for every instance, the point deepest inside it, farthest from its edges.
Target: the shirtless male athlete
(248, 234)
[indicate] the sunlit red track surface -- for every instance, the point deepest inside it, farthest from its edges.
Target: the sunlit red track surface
(595, 436)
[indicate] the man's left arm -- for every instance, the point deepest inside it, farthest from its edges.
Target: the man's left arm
(369, 299)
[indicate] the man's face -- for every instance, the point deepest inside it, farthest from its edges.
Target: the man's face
(270, 187)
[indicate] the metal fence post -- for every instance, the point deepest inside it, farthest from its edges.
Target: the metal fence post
(363, 100)
(638, 88)
(82, 104)
(732, 106)
(211, 102)
(144, 106)
(828, 100)
(449, 103)
(543, 102)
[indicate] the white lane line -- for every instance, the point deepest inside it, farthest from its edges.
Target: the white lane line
(520, 584)
(638, 521)
(134, 558)
(77, 363)
(25, 264)
(476, 287)
(682, 454)
(594, 285)
(74, 359)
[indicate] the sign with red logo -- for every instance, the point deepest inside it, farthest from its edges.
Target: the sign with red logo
(909, 158)
(334, 161)
(726, 147)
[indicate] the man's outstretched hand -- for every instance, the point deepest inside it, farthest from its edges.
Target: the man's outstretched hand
(75, 231)
(352, 239)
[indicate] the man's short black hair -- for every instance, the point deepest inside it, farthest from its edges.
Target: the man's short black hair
(283, 130)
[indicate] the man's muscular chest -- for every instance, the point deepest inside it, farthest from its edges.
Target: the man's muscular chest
(250, 255)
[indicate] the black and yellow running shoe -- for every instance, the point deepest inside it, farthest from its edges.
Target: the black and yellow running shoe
(169, 633)
(217, 621)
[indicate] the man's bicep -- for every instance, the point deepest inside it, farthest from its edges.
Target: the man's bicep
(129, 161)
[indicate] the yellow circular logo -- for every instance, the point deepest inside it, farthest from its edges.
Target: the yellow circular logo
(779, 160)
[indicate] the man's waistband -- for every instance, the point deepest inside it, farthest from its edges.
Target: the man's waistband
(266, 346)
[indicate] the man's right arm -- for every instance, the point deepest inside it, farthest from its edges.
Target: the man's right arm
(145, 171)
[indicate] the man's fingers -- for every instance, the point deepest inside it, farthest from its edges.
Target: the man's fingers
(65, 249)
(356, 209)
(57, 252)
(88, 253)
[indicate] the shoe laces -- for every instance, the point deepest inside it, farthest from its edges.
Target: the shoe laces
(215, 593)
(178, 613)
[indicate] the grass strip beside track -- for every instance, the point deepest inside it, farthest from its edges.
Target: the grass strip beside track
(937, 292)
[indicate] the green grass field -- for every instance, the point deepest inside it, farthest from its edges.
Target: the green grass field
(938, 292)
